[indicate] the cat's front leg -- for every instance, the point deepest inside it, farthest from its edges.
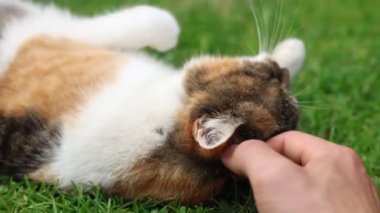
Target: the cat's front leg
(131, 29)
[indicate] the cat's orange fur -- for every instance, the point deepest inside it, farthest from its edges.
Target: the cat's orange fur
(54, 75)
(220, 67)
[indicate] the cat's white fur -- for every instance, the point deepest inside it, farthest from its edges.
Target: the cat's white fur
(119, 125)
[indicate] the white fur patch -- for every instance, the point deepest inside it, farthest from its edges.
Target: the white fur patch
(119, 126)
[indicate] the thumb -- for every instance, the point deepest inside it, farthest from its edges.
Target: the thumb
(254, 157)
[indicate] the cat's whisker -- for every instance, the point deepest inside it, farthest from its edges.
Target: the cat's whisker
(310, 102)
(263, 26)
(314, 107)
(295, 86)
(282, 29)
(314, 104)
(302, 92)
(272, 24)
(277, 24)
(258, 30)
(266, 21)
(296, 91)
(291, 29)
(292, 25)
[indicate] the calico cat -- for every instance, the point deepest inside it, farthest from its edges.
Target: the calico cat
(80, 104)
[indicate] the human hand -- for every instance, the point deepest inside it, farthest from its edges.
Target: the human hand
(297, 172)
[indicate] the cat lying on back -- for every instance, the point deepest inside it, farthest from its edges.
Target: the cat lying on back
(75, 108)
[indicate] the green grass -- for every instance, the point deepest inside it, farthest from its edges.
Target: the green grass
(339, 87)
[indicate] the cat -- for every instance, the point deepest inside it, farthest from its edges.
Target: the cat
(80, 103)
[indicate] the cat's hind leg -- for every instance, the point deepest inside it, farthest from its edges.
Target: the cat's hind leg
(131, 28)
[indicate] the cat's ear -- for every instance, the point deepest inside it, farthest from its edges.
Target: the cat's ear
(290, 54)
(213, 132)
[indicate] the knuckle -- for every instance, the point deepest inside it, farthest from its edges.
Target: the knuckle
(246, 146)
(338, 155)
(347, 159)
(349, 151)
(327, 154)
(372, 183)
(290, 134)
(350, 155)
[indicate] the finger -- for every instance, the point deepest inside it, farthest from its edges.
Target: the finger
(300, 147)
(254, 157)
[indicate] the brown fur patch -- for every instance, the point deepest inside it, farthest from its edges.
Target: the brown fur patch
(184, 170)
(254, 92)
(220, 67)
(54, 76)
(167, 175)
(208, 71)
(26, 143)
(261, 120)
(183, 137)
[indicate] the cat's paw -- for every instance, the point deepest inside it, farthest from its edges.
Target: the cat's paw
(159, 28)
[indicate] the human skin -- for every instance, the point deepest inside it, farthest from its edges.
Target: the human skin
(297, 172)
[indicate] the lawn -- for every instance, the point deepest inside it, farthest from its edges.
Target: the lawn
(338, 88)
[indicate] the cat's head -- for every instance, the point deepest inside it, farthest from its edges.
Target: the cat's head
(238, 98)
